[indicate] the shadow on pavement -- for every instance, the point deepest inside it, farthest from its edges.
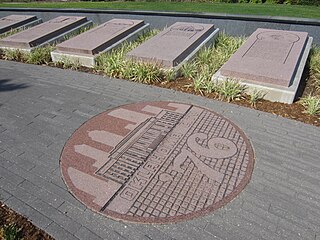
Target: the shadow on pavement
(5, 85)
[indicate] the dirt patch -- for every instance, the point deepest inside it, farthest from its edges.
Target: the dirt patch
(28, 230)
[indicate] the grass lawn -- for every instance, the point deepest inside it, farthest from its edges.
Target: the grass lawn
(230, 8)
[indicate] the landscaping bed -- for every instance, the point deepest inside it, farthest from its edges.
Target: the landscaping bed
(195, 76)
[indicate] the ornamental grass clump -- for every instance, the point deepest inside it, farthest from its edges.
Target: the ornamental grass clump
(67, 63)
(14, 55)
(311, 104)
(315, 64)
(146, 73)
(189, 70)
(230, 89)
(202, 80)
(115, 64)
(209, 60)
(169, 74)
(255, 96)
(40, 55)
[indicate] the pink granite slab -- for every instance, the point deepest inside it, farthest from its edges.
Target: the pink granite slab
(14, 21)
(100, 37)
(172, 45)
(267, 57)
(42, 32)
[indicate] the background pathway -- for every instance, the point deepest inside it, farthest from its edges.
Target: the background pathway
(40, 107)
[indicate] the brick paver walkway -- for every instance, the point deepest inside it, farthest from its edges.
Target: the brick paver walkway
(40, 107)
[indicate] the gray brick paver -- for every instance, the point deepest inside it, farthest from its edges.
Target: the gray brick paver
(305, 232)
(261, 214)
(4, 195)
(48, 197)
(84, 234)
(224, 232)
(47, 185)
(260, 221)
(35, 217)
(5, 163)
(9, 176)
(24, 163)
(59, 218)
(59, 233)
(152, 232)
(185, 231)
(281, 201)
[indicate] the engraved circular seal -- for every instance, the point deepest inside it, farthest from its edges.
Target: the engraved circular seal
(157, 162)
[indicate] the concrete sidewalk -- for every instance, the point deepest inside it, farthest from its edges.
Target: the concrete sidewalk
(40, 107)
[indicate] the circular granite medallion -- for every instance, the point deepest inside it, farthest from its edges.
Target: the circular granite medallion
(157, 162)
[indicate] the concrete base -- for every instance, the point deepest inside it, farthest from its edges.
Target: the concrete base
(89, 60)
(272, 92)
(55, 40)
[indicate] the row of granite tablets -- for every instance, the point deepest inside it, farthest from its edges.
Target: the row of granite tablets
(271, 60)
(169, 48)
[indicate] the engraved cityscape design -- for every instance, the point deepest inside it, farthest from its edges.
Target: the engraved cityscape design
(156, 162)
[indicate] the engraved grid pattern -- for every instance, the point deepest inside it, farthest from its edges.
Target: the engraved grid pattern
(192, 190)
